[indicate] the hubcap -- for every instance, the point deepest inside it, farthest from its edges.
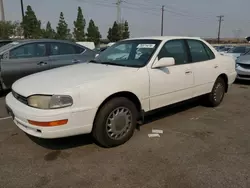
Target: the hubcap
(219, 92)
(119, 123)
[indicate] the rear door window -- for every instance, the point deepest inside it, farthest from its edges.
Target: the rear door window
(198, 51)
(65, 49)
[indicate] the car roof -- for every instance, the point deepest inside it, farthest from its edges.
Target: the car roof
(164, 38)
(41, 40)
(24, 41)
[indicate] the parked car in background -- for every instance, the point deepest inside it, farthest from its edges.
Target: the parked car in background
(4, 42)
(107, 96)
(243, 66)
(25, 57)
(237, 51)
(225, 49)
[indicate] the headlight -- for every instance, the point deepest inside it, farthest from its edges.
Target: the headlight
(50, 101)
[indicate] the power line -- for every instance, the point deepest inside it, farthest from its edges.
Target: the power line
(220, 20)
(2, 10)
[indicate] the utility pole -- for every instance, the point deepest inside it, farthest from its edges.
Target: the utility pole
(118, 5)
(22, 9)
(162, 18)
(2, 11)
(220, 20)
(118, 19)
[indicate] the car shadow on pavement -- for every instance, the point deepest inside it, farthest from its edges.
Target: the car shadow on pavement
(242, 82)
(171, 110)
(63, 143)
(83, 140)
(4, 93)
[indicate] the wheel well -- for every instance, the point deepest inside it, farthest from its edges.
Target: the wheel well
(131, 96)
(224, 77)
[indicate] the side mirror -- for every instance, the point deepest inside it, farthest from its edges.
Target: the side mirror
(96, 55)
(164, 62)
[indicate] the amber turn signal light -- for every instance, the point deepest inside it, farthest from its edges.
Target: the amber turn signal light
(49, 124)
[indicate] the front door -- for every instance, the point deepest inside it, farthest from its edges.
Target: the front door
(22, 61)
(174, 83)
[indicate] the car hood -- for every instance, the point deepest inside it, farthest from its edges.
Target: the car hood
(61, 80)
(245, 59)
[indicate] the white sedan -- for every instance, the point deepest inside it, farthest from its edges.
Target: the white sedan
(107, 96)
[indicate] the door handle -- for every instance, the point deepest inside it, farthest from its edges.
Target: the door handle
(42, 63)
(188, 72)
(216, 66)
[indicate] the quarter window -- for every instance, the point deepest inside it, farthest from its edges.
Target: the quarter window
(28, 51)
(175, 49)
(198, 51)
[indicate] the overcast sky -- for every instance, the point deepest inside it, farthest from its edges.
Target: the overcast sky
(181, 17)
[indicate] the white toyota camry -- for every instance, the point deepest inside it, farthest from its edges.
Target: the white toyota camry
(108, 95)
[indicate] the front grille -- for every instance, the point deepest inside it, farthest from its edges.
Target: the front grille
(20, 98)
(245, 66)
(244, 76)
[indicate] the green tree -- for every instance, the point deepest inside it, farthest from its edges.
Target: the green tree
(79, 24)
(115, 33)
(125, 33)
(62, 30)
(93, 33)
(6, 29)
(31, 25)
(110, 37)
(49, 32)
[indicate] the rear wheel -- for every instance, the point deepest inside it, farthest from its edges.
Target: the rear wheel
(217, 94)
(115, 122)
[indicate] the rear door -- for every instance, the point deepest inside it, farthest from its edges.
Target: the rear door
(63, 54)
(204, 66)
(24, 60)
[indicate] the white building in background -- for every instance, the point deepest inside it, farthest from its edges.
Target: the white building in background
(90, 45)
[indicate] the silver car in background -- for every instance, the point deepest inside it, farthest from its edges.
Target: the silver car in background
(243, 66)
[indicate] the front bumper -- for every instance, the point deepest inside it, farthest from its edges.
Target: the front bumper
(80, 121)
(242, 73)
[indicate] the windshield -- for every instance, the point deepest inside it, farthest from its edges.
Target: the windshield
(131, 53)
(7, 46)
(240, 49)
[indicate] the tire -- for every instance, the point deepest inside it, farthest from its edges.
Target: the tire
(110, 133)
(216, 96)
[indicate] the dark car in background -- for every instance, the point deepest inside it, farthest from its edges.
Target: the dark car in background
(25, 57)
(4, 42)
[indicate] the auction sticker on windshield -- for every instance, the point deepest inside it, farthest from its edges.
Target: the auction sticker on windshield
(146, 46)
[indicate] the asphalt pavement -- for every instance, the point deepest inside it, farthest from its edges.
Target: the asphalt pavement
(200, 147)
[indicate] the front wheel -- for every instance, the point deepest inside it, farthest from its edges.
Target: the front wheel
(115, 122)
(217, 94)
